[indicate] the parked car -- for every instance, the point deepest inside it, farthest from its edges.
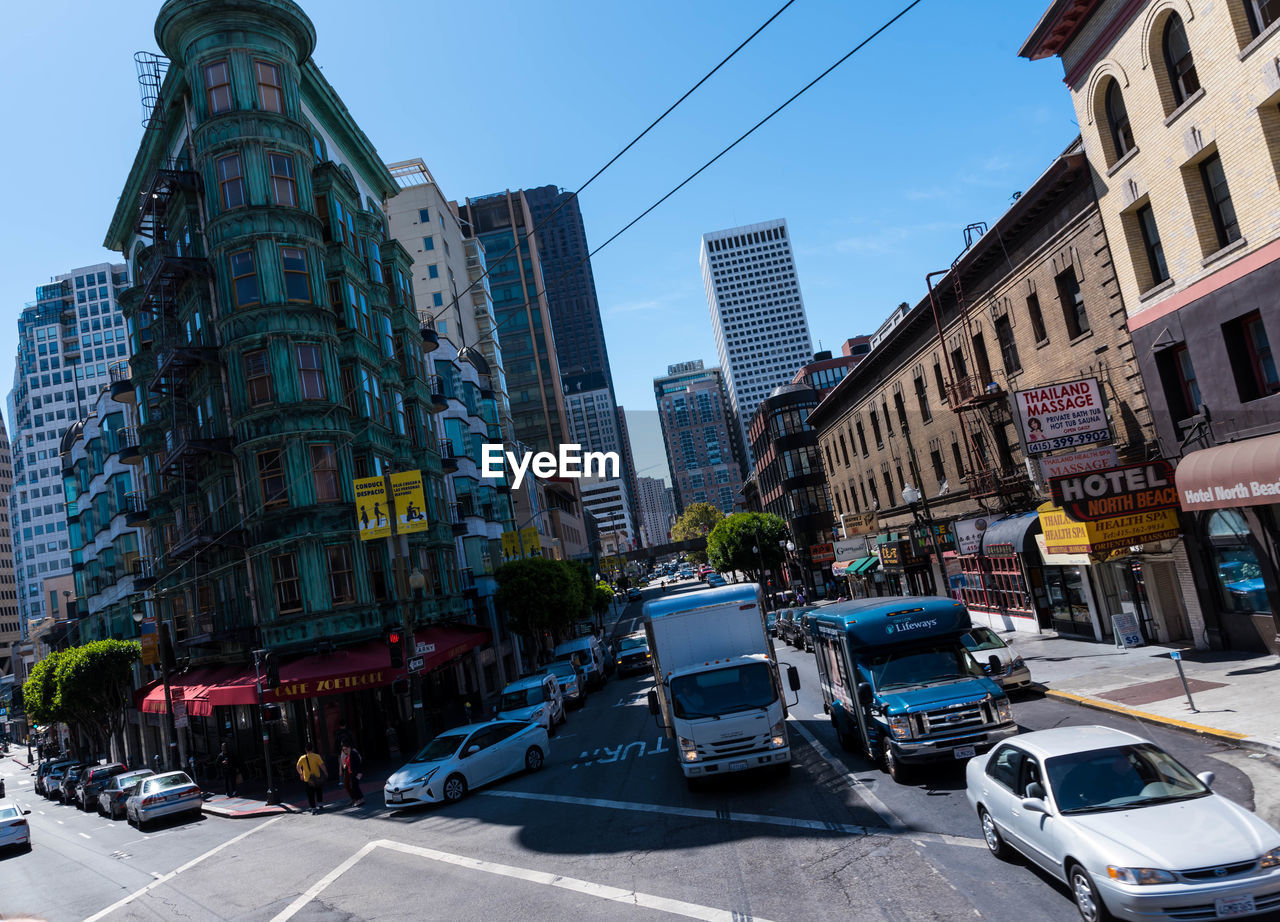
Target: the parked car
(53, 781)
(464, 758)
(93, 781)
(634, 594)
(771, 622)
(117, 789)
(534, 699)
(984, 643)
(784, 624)
(715, 579)
(162, 795)
(590, 655)
(14, 832)
(45, 770)
(804, 638)
(1129, 829)
(573, 681)
(633, 654)
(70, 784)
(793, 627)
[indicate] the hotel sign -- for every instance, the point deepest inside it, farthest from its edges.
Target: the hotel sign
(1116, 491)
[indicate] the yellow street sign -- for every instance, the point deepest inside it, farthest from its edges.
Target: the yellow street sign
(518, 545)
(373, 512)
(410, 502)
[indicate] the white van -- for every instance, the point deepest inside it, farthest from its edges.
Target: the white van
(590, 653)
(536, 700)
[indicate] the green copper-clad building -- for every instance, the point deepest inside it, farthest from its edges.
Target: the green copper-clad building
(276, 356)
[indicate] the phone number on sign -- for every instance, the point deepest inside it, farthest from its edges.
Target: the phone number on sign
(1069, 441)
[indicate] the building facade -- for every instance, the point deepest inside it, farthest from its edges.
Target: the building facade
(699, 432)
(757, 314)
(67, 339)
(1180, 112)
(941, 487)
(12, 623)
(606, 501)
(277, 356)
(657, 509)
(825, 371)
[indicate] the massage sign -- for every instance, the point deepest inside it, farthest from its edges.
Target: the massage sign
(1058, 416)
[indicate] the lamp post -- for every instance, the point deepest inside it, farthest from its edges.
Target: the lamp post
(164, 642)
(787, 546)
(911, 496)
(417, 588)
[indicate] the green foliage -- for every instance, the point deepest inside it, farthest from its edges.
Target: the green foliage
(730, 544)
(539, 594)
(602, 598)
(40, 693)
(697, 520)
(586, 582)
(86, 687)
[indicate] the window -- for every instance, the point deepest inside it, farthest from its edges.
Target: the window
(244, 279)
(1221, 210)
(1151, 244)
(311, 372)
(433, 271)
(257, 374)
(1072, 299)
(1261, 13)
(424, 216)
(342, 588)
(1004, 765)
(1178, 60)
(1249, 350)
(275, 491)
(217, 87)
(958, 458)
(428, 243)
(284, 189)
(270, 92)
(1240, 576)
(1008, 347)
(937, 378)
(1178, 380)
(297, 280)
(231, 181)
(939, 472)
(317, 148)
(922, 397)
(1037, 318)
(284, 573)
(1118, 122)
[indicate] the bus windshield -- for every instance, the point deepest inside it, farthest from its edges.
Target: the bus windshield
(723, 691)
(923, 665)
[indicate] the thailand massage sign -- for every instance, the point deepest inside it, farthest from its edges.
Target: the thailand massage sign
(1064, 536)
(1064, 415)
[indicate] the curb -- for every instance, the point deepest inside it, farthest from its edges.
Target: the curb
(1236, 739)
(231, 813)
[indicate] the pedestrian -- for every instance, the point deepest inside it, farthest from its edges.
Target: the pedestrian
(393, 741)
(312, 772)
(343, 736)
(351, 771)
(229, 767)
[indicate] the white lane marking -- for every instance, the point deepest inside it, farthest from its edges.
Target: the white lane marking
(694, 812)
(585, 887)
(639, 698)
(85, 835)
(162, 878)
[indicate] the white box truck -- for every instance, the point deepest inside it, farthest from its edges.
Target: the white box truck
(718, 691)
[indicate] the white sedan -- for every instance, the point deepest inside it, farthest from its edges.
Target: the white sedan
(1129, 829)
(163, 795)
(464, 758)
(13, 827)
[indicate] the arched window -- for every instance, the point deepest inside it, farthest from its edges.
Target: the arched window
(1178, 60)
(1118, 121)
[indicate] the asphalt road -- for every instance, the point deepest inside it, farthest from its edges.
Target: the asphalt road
(607, 829)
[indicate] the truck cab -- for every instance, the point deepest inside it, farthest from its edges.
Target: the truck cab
(900, 685)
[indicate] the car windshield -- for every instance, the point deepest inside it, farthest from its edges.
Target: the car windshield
(521, 698)
(981, 638)
(164, 782)
(633, 643)
(562, 669)
(439, 748)
(723, 691)
(921, 665)
(128, 781)
(8, 813)
(1119, 778)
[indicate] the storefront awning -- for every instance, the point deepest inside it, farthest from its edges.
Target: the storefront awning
(1244, 473)
(843, 567)
(1011, 535)
(363, 665)
(867, 564)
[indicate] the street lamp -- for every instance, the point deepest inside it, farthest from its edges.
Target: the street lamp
(911, 496)
(139, 615)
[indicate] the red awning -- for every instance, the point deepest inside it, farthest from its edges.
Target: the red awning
(363, 665)
(1244, 473)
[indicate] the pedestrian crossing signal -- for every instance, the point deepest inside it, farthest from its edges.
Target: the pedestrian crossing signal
(271, 712)
(395, 648)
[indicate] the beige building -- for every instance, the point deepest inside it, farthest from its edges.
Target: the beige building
(1179, 107)
(11, 632)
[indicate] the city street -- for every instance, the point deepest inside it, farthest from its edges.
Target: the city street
(608, 821)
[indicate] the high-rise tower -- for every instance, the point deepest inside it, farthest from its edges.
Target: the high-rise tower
(698, 432)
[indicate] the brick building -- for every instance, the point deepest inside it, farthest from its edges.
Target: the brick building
(1032, 301)
(1179, 108)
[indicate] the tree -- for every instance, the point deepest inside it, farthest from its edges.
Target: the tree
(39, 691)
(601, 598)
(697, 521)
(93, 684)
(586, 582)
(730, 544)
(539, 595)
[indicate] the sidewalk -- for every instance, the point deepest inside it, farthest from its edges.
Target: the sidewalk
(1233, 692)
(251, 801)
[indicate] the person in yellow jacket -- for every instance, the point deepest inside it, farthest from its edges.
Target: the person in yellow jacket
(312, 772)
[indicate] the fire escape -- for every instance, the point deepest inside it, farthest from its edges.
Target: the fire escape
(977, 395)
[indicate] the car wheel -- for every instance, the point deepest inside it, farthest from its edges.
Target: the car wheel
(1086, 895)
(893, 765)
(455, 788)
(533, 759)
(991, 835)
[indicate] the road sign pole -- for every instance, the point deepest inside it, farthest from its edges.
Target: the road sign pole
(1176, 656)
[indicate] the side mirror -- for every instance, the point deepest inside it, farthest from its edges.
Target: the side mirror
(793, 678)
(1206, 778)
(1035, 791)
(997, 667)
(653, 702)
(1035, 805)
(865, 695)
(471, 750)
(26, 811)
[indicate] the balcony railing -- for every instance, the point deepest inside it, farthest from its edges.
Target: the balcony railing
(998, 482)
(973, 390)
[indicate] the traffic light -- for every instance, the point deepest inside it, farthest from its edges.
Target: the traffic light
(400, 687)
(271, 712)
(270, 670)
(395, 647)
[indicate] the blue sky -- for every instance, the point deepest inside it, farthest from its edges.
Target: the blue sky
(877, 169)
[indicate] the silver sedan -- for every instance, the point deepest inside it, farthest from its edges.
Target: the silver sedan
(1127, 827)
(163, 795)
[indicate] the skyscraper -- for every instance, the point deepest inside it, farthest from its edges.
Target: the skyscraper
(12, 626)
(762, 336)
(698, 433)
(69, 340)
(657, 510)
